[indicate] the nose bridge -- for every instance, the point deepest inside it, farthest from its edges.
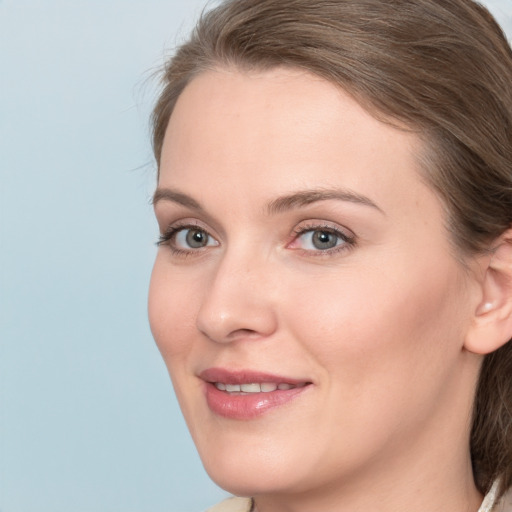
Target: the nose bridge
(238, 300)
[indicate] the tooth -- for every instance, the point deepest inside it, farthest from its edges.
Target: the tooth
(221, 386)
(285, 386)
(268, 386)
(250, 388)
(233, 388)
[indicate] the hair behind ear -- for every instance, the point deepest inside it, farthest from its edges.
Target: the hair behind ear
(491, 435)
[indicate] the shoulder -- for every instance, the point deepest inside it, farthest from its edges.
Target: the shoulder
(232, 505)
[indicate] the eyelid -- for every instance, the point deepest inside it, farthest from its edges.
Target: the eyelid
(168, 236)
(347, 236)
(319, 225)
(168, 213)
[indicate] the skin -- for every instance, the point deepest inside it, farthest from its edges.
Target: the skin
(377, 325)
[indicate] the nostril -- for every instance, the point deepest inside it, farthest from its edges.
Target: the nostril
(244, 334)
(232, 336)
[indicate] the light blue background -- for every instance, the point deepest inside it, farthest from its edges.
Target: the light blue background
(88, 421)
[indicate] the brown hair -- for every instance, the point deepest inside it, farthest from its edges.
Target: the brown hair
(443, 68)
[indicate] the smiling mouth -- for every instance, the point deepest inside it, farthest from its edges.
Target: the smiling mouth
(255, 387)
(247, 394)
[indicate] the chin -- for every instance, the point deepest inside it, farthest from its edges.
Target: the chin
(265, 468)
(242, 480)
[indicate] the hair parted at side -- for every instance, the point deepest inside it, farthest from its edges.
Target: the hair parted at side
(442, 68)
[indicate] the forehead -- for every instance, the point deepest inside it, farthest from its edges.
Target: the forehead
(265, 133)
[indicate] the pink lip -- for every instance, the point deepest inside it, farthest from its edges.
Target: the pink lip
(247, 406)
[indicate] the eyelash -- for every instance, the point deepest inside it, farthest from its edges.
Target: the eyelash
(168, 238)
(349, 241)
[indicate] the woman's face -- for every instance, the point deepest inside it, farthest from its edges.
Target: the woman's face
(305, 297)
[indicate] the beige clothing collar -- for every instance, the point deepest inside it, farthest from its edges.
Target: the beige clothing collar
(490, 504)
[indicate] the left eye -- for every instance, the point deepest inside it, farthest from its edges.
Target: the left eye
(193, 238)
(320, 240)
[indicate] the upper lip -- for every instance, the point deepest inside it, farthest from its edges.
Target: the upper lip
(227, 376)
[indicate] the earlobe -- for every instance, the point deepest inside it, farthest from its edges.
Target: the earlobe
(485, 307)
(492, 322)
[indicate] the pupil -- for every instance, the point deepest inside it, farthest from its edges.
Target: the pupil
(196, 239)
(324, 240)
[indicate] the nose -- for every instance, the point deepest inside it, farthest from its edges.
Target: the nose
(238, 302)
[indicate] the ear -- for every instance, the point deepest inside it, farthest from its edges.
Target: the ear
(492, 322)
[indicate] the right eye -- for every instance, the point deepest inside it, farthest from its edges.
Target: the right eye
(187, 238)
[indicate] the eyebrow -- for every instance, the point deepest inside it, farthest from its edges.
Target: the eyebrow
(306, 197)
(278, 205)
(175, 196)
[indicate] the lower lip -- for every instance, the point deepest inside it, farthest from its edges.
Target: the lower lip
(250, 405)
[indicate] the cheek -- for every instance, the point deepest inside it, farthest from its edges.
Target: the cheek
(170, 310)
(386, 346)
(379, 323)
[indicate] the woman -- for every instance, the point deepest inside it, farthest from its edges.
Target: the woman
(332, 293)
